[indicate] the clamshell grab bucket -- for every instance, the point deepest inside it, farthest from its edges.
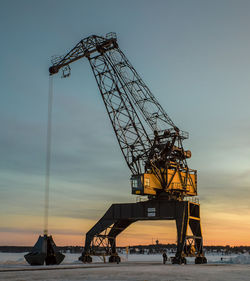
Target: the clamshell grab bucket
(44, 251)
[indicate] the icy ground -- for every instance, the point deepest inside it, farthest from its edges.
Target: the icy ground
(136, 267)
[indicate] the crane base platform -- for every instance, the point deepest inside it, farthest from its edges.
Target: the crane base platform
(44, 251)
(101, 238)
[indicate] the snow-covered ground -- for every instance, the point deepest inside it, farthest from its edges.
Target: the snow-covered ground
(135, 267)
(17, 259)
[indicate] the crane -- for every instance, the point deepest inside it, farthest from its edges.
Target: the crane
(152, 146)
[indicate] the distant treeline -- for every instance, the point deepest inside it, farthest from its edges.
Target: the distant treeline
(23, 249)
(139, 249)
(159, 248)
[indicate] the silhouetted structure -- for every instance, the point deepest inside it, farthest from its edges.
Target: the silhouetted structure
(152, 147)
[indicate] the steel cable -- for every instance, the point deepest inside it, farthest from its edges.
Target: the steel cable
(48, 156)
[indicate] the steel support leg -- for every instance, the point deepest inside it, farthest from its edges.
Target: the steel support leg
(181, 226)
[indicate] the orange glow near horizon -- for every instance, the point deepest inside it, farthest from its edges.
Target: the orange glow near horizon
(218, 229)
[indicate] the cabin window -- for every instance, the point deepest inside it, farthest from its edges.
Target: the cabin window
(134, 183)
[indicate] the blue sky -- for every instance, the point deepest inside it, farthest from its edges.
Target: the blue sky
(193, 55)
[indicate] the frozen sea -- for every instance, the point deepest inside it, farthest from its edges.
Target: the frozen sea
(135, 267)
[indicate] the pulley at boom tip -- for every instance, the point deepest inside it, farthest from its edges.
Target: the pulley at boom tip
(53, 70)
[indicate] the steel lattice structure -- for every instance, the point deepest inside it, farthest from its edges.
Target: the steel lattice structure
(152, 146)
(147, 136)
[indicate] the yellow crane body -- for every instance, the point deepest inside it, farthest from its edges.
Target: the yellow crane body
(172, 181)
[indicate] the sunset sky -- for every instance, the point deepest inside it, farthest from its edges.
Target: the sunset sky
(194, 55)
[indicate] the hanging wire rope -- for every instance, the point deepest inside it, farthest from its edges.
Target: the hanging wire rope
(48, 156)
(45, 250)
